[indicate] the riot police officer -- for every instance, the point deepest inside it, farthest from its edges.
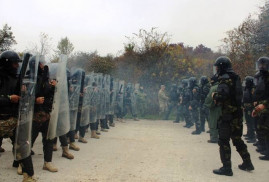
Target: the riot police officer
(230, 124)
(261, 96)
(184, 102)
(194, 104)
(204, 90)
(43, 106)
(248, 108)
(173, 100)
(9, 99)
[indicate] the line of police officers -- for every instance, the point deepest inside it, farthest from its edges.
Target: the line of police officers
(87, 101)
(224, 103)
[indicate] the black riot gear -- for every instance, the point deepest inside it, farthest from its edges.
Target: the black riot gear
(263, 64)
(184, 83)
(204, 80)
(7, 58)
(192, 82)
(249, 81)
(223, 64)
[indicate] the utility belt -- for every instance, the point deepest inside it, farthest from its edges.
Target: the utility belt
(7, 125)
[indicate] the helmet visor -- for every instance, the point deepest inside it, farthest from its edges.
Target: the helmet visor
(262, 66)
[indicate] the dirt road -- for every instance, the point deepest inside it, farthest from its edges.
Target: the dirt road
(143, 151)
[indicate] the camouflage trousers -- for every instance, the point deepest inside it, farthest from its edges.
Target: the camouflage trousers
(7, 126)
(231, 128)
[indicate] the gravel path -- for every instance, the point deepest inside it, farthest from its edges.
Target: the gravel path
(143, 151)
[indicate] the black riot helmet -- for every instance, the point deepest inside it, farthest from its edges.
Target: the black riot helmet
(7, 58)
(184, 83)
(174, 87)
(192, 82)
(204, 80)
(249, 81)
(76, 76)
(222, 65)
(263, 64)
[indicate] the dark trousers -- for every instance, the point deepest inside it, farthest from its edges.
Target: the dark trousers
(103, 123)
(93, 126)
(187, 115)
(250, 124)
(71, 136)
(63, 141)
(82, 130)
(129, 107)
(263, 130)
(195, 118)
(170, 108)
(204, 112)
(118, 112)
(110, 118)
(231, 129)
(47, 144)
(26, 164)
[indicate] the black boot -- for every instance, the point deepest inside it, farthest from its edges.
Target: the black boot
(246, 166)
(266, 152)
(227, 171)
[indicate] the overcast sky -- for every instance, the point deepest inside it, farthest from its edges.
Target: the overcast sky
(103, 24)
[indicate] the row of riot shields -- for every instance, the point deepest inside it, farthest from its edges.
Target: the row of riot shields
(93, 95)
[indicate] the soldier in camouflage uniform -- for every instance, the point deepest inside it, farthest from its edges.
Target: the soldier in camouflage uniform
(194, 104)
(204, 90)
(230, 125)
(261, 111)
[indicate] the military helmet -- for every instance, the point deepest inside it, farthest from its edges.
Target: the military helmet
(222, 64)
(7, 58)
(204, 80)
(184, 82)
(192, 81)
(263, 64)
(249, 81)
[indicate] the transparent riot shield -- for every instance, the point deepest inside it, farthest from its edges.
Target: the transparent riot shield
(85, 107)
(102, 95)
(135, 91)
(120, 95)
(22, 148)
(93, 98)
(60, 119)
(107, 93)
(112, 96)
(74, 93)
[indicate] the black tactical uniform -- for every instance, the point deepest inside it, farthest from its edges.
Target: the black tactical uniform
(127, 102)
(230, 125)
(261, 97)
(184, 102)
(204, 111)
(179, 106)
(9, 110)
(173, 100)
(248, 105)
(195, 104)
(42, 111)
